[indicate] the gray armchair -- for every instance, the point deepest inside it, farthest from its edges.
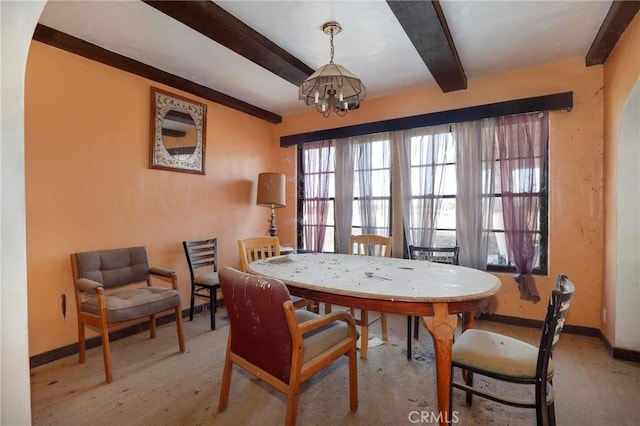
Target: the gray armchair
(105, 297)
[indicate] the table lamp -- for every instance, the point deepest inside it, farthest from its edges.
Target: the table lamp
(272, 193)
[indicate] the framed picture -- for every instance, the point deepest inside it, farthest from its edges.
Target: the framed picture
(178, 133)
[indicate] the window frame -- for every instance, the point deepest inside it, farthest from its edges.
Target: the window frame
(544, 203)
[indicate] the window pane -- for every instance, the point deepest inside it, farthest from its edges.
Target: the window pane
(498, 218)
(445, 239)
(329, 240)
(379, 213)
(447, 214)
(497, 254)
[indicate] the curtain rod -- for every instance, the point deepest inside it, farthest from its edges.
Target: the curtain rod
(557, 101)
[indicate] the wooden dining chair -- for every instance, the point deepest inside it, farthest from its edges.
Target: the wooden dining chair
(511, 360)
(202, 257)
(279, 344)
(369, 245)
(448, 255)
(256, 248)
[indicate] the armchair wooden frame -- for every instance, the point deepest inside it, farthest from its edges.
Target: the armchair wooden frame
(299, 324)
(86, 289)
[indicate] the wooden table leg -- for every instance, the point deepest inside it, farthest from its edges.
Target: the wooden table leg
(442, 327)
(468, 320)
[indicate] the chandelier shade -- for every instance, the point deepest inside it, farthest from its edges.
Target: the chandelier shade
(332, 88)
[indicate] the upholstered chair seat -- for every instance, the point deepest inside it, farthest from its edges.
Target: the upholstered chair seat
(321, 339)
(504, 355)
(128, 304)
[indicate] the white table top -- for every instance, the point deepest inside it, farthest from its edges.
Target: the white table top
(406, 280)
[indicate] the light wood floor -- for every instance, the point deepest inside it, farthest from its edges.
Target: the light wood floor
(156, 385)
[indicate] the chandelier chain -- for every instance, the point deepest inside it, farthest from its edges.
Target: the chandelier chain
(331, 38)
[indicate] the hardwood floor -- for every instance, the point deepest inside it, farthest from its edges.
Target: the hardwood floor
(153, 384)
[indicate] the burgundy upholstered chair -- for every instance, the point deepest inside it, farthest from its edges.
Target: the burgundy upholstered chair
(279, 344)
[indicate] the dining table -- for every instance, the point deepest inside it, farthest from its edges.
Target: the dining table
(434, 291)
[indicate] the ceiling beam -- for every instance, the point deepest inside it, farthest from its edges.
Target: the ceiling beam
(214, 22)
(80, 47)
(620, 14)
(424, 23)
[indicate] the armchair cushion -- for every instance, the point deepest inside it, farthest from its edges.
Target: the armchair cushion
(114, 267)
(161, 271)
(319, 340)
(132, 303)
(87, 285)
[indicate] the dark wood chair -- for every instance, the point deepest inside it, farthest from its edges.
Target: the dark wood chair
(107, 295)
(202, 257)
(448, 255)
(279, 344)
(505, 358)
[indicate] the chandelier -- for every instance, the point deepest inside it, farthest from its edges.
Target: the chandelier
(332, 87)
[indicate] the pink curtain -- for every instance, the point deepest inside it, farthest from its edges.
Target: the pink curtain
(522, 144)
(318, 162)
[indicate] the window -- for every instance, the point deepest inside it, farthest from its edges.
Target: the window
(316, 199)
(370, 193)
(434, 171)
(372, 188)
(432, 162)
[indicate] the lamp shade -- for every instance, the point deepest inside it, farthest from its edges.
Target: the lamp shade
(271, 190)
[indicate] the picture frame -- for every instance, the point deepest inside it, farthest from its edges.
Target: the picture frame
(178, 133)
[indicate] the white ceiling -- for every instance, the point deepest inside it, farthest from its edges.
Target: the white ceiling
(491, 37)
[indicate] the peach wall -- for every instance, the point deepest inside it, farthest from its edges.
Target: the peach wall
(576, 177)
(89, 185)
(621, 72)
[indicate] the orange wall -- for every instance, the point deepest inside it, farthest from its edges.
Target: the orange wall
(89, 185)
(621, 72)
(576, 178)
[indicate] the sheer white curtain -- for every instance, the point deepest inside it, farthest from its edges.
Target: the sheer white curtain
(318, 159)
(475, 152)
(345, 163)
(372, 154)
(422, 152)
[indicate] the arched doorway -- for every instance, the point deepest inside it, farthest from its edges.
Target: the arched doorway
(19, 20)
(627, 263)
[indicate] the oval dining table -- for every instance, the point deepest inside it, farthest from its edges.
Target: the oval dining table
(437, 292)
